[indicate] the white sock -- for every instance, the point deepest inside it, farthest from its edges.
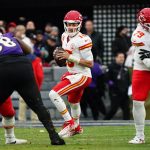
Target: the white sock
(139, 117)
(60, 105)
(75, 112)
(9, 133)
(8, 124)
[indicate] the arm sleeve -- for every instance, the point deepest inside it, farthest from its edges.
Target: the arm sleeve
(87, 54)
(85, 49)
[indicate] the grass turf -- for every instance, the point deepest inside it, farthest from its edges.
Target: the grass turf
(94, 138)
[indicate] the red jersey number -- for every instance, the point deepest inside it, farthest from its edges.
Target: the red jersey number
(139, 34)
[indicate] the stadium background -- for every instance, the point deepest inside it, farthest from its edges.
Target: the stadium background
(107, 16)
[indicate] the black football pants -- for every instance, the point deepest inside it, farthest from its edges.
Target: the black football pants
(16, 74)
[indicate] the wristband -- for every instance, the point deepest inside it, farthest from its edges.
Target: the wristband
(74, 59)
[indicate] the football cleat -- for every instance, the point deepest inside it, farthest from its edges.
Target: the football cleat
(56, 140)
(69, 134)
(13, 140)
(78, 130)
(68, 126)
(137, 140)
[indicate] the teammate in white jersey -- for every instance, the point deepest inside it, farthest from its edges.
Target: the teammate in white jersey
(79, 61)
(141, 73)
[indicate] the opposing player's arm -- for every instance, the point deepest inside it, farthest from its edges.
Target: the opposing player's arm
(26, 49)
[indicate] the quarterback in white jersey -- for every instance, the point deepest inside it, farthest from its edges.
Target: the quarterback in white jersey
(141, 73)
(80, 47)
(79, 61)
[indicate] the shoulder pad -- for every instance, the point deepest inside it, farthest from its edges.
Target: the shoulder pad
(138, 38)
(85, 42)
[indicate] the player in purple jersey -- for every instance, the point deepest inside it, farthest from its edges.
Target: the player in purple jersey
(9, 45)
(16, 73)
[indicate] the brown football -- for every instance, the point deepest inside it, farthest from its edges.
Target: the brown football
(62, 62)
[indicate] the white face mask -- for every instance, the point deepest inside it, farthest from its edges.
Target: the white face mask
(72, 30)
(147, 26)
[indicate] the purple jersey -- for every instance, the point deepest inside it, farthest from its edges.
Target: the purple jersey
(9, 45)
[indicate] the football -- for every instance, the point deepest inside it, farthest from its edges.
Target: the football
(59, 62)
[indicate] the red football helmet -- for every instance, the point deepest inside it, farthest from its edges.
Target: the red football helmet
(72, 22)
(144, 18)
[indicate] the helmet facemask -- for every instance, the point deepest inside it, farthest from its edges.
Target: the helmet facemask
(146, 26)
(72, 27)
(144, 18)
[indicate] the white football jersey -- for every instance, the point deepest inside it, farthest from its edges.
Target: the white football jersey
(140, 40)
(79, 46)
(129, 60)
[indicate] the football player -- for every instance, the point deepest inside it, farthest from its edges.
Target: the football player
(79, 61)
(8, 121)
(16, 73)
(141, 73)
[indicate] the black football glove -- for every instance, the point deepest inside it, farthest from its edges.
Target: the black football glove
(144, 54)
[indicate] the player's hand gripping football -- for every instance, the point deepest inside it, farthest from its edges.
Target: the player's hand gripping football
(144, 54)
(63, 55)
(57, 56)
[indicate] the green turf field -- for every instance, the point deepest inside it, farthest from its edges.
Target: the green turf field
(94, 138)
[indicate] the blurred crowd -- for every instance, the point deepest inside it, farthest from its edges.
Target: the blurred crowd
(42, 41)
(113, 80)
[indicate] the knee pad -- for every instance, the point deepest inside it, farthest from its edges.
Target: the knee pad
(8, 122)
(75, 106)
(75, 110)
(53, 96)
